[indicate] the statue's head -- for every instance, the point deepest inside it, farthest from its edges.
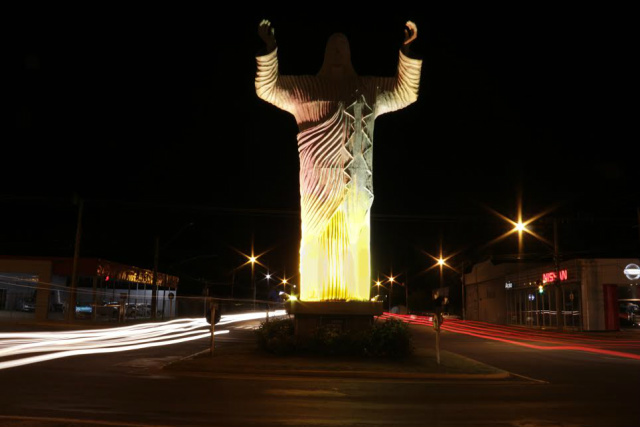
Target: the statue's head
(337, 58)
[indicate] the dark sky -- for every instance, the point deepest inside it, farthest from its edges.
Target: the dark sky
(150, 115)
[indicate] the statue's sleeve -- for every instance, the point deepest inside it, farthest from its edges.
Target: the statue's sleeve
(402, 90)
(271, 86)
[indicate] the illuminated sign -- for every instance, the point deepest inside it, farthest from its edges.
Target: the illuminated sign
(632, 271)
(552, 276)
(508, 285)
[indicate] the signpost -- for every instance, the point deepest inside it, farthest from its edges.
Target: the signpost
(171, 297)
(121, 311)
(437, 322)
(213, 324)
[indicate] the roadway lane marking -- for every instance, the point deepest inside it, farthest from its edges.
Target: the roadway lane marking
(524, 377)
(305, 393)
(246, 327)
(17, 420)
(148, 362)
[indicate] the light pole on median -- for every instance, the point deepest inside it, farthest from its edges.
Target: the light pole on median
(391, 281)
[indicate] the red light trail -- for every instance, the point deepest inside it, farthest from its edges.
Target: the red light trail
(534, 339)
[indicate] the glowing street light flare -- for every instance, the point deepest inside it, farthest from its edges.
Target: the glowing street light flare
(520, 227)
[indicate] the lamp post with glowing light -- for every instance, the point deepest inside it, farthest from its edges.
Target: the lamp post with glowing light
(252, 260)
(441, 263)
(520, 227)
(391, 281)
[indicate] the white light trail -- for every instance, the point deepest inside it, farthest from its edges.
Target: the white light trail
(57, 345)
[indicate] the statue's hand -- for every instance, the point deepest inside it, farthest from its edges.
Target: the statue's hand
(267, 34)
(410, 33)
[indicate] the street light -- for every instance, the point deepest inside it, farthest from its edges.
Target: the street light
(442, 262)
(521, 227)
(252, 259)
(378, 284)
(391, 279)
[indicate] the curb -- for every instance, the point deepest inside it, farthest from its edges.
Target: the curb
(340, 374)
(351, 374)
(386, 375)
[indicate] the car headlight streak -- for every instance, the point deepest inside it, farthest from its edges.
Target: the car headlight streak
(56, 345)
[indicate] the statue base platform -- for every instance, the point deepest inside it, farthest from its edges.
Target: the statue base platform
(342, 316)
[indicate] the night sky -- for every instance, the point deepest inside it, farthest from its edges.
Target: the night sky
(150, 116)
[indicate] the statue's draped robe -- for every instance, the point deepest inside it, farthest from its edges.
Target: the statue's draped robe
(335, 119)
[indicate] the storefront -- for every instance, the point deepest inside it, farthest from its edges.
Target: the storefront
(38, 287)
(583, 294)
(534, 297)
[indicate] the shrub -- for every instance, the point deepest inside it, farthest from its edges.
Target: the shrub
(389, 339)
(276, 336)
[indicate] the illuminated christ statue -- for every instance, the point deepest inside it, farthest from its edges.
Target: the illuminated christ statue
(335, 111)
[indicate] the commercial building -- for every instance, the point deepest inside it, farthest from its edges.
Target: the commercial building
(38, 287)
(581, 294)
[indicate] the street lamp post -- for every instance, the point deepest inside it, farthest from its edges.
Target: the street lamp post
(391, 280)
(252, 260)
(558, 286)
(464, 310)
(521, 227)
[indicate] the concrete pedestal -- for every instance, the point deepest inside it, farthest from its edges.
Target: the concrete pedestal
(351, 316)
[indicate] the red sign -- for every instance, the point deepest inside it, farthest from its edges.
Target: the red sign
(552, 277)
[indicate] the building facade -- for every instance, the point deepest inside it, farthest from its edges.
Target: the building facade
(38, 287)
(582, 294)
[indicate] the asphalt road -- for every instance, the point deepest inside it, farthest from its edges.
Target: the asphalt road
(576, 389)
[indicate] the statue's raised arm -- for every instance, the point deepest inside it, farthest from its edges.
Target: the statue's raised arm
(402, 90)
(269, 83)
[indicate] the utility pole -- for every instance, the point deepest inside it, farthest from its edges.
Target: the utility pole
(71, 306)
(464, 314)
(253, 283)
(638, 209)
(154, 285)
(558, 285)
(406, 293)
